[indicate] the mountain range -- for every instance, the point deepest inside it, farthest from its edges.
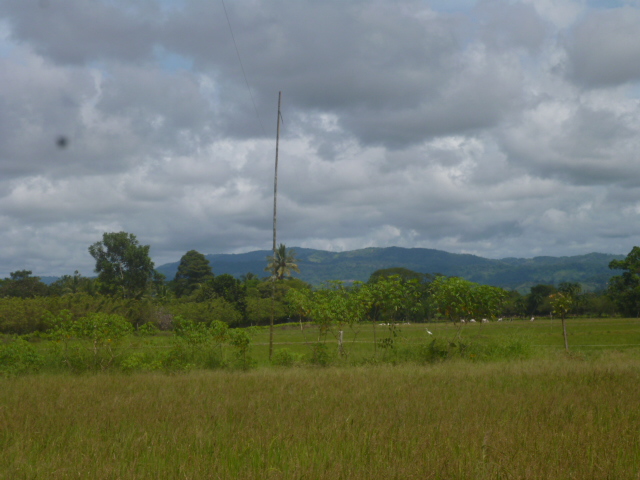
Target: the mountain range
(318, 266)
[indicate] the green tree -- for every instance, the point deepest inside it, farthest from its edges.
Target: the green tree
(421, 281)
(227, 287)
(300, 303)
(122, 264)
(390, 299)
(562, 304)
(404, 273)
(71, 284)
(282, 263)
(259, 310)
(204, 312)
(331, 307)
(251, 282)
(457, 298)
(21, 284)
(159, 287)
(514, 305)
(452, 297)
(538, 299)
(194, 269)
(596, 304)
(573, 289)
(625, 289)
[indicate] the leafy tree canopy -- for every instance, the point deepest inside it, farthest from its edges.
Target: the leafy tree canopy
(123, 265)
(571, 289)
(625, 289)
(457, 298)
(404, 273)
(538, 299)
(232, 290)
(70, 284)
(282, 263)
(21, 284)
(194, 269)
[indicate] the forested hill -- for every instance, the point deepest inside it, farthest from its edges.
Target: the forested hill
(318, 266)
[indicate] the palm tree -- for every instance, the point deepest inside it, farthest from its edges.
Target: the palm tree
(282, 263)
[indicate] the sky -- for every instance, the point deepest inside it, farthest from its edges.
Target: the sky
(499, 128)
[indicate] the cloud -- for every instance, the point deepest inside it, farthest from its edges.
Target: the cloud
(604, 48)
(581, 143)
(509, 26)
(77, 32)
(499, 128)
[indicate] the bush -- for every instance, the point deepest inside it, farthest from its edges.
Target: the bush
(320, 355)
(240, 340)
(204, 312)
(24, 315)
(197, 345)
(438, 351)
(179, 359)
(141, 362)
(98, 333)
(19, 357)
(285, 358)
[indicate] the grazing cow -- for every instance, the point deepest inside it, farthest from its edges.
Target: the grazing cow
(484, 320)
(472, 321)
(532, 319)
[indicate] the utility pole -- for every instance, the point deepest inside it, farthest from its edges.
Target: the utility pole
(275, 221)
(275, 178)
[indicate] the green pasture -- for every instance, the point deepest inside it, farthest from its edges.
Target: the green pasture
(540, 337)
(306, 344)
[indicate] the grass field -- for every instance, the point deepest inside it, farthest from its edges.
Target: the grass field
(585, 335)
(545, 415)
(481, 341)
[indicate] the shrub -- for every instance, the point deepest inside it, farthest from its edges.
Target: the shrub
(19, 357)
(320, 355)
(285, 358)
(240, 340)
(204, 312)
(98, 333)
(140, 361)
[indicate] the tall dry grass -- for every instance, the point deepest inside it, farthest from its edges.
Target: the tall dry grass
(555, 418)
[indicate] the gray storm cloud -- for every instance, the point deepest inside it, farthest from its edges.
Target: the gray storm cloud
(500, 128)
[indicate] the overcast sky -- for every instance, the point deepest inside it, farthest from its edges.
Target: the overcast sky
(499, 128)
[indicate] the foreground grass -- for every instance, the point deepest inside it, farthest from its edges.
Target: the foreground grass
(557, 417)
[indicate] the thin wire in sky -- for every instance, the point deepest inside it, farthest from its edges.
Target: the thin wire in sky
(242, 67)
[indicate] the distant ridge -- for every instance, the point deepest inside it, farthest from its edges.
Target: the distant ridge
(318, 266)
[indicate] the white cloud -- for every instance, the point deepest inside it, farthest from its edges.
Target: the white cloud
(500, 128)
(604, 48)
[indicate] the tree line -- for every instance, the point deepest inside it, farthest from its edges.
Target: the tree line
(128, 284)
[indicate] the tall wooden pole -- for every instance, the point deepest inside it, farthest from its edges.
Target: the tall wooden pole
(275, 221)
(275, 178)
